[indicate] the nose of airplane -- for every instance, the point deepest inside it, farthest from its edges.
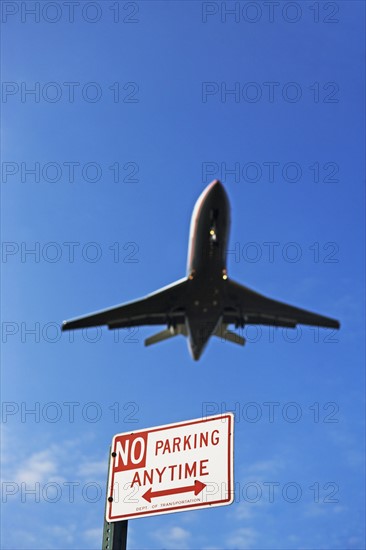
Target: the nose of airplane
(215, 191)
(216, 188)
(215, 185)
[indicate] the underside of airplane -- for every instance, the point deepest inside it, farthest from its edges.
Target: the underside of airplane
(207, 301)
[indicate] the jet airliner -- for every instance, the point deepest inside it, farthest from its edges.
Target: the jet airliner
(206, 301)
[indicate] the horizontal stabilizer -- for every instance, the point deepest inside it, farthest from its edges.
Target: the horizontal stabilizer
(165, 335)
(225, 334)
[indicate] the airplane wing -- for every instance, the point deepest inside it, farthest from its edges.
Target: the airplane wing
(246, 307)
(165, 306)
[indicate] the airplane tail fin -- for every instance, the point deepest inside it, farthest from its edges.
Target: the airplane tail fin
(166, 334)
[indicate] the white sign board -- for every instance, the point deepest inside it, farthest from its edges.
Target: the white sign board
(171, 468)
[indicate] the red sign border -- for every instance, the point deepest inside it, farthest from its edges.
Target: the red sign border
(227, 501)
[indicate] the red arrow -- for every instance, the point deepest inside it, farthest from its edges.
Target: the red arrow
(197, 488)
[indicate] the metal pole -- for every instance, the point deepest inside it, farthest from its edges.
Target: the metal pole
(114, 533)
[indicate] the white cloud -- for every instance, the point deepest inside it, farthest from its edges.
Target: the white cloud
(261, 468)
(244, 510)
(318, 509)
(39, 467)
(242, 538)
(62, 533)
(174, 537)
(94, 468)
(266, 466)
(94, 536)
(56, 463)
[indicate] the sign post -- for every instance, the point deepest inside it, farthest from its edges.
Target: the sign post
(114, 534)
(170, 468)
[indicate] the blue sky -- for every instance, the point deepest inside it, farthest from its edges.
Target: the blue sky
(172, 95)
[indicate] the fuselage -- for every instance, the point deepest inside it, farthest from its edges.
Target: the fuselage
(206, 266)
(205, 302)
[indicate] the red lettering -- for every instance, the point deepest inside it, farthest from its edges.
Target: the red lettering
(158, 446)
(176, 444)
(203, 467)
(130, 451)
(136, 479)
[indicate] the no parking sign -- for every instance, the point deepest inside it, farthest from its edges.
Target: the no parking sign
(171, 468)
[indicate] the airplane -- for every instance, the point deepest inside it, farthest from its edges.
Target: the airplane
(206, 301)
